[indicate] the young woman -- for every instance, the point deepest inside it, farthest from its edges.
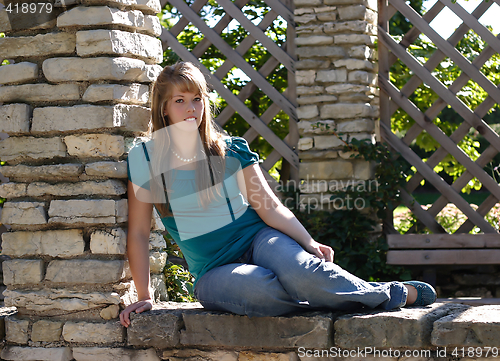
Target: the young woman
(247, 251)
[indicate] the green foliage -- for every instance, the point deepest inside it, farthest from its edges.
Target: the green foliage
(350, 231)
(179, 281)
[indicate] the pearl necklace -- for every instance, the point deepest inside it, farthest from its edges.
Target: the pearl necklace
(183, 159)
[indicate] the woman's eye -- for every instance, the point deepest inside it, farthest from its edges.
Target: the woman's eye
(179, 100)
(197, 99)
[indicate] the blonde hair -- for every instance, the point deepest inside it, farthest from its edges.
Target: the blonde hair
(186, 77)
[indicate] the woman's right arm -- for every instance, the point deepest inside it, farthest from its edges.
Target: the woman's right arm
(139, 225)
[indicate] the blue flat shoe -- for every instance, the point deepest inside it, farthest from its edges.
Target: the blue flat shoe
(426, 294)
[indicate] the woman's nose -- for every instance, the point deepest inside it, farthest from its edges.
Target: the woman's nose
(191, 106)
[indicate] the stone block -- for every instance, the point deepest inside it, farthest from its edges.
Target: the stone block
(357, 125)
(362, 77)
(317, 99)
(312, 64)
(82, 208)
(193, 354)
(149, 73)
(158, 283)
(325, 9)
(327, 16)
(474, 327)
(110, 312)
(310, 90)
(37, 353)
(352, 12)
(84, 16)
(118, 43)
(53, 243)
(90, 117)
(18, 73)
(95, 145)
(157, 261)
(96, 69)
(334, 169)
(148, 6)
(16, 330)
(229, 330)
(113, 354)
(346, 110)
(157, 241)
(314, 40)
(15, 118)
(130, 94)
(22, 271)
(331, 76)
(318, 155)
(321, 51)
(23, 213)
(155, 328)
(304, 19)
(351, 64)
(113, 241)
(346, 88)
(109, 187)
(306, 143)
(302, 11)
(307, 112)
(361, 51)
(327, 142)
(364, 170)
(39, 93)
(152, 25)
(121, 211)
(354, 39)
(310, 29)
(13, 190)
(107, 169)
(316, 127)
(46, 331)
(49, 44)
(355, 26)
(18, 149)
(86, 271)
(45, 172)
(305, 76)
(267, 356)
(49, 299)
(407, 326)
(88, 332)
(307, 2)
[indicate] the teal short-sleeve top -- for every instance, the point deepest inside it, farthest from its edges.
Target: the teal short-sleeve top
(210, 237)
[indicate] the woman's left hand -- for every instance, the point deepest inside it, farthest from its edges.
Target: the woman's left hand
(321, 251)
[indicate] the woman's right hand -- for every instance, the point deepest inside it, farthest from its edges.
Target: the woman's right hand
(137, 307)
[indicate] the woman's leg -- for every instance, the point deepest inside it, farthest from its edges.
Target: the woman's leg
(246, 290)
(322, 284)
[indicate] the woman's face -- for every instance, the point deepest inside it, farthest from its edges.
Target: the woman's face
(184, 109)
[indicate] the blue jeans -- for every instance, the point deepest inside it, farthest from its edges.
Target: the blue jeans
(277, 276)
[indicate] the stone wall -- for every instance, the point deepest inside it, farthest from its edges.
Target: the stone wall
(337, 95)
(74, 98)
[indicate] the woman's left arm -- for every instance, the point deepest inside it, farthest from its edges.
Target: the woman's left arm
(256, 190)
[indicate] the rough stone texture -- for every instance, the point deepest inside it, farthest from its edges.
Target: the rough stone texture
(157, 241)
(306, 143)
(107, 169)
(86, 271)
(331, 76)
(159, 285)
(191, 354)
(16, 330)
(113, 354)
(312, 64)
(101, 333)
(129, 94)
(408, 326)
(110, 312)
(314, 40)
(213, 329)
(310, 90)
(333, 52)
(82, 208)
(149, 6)
(113, 241)
(23, 213)
(56, 243)
(45, 330)
(39, 92)
(42, 44)
(121, 210)
(347, 110)
(14, 118)
(335, 169)
(37, 353)
(267, 356)
(473, 327)
(362, 77)
(42, 172)
(346, 88)
(14, 150)
(101, 68)
(319, 155)
(305, 77)
(316, 99)
(13, 190)
(307, 112)
(351, 64)
(58, 299)
(327, 141)
(95, 145)
(91, 117)
(108, 187)
(22, 271)
(18, 73)
(157, 261)
(118, 43)
(316, 127)
(359, 125)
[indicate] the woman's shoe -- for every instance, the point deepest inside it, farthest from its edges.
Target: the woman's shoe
(426, 294)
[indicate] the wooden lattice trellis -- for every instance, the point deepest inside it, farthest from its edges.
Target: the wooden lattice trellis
(285, 101)
(460, 247)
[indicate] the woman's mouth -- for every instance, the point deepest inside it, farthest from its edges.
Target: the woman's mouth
(192, 119)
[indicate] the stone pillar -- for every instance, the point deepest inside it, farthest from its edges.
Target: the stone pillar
(74, 97)
(336, 87)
